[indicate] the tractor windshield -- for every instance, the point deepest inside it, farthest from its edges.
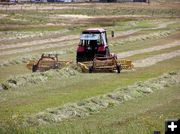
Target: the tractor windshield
(90, 36)
(86, 39)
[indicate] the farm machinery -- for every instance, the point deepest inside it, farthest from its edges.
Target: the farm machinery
(93, 55)
(46, 62)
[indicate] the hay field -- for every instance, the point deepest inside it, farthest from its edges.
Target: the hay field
(68, 101)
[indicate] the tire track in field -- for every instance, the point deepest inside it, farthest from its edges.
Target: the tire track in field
(151, 49)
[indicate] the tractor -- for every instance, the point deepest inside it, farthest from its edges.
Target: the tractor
(93, 51)
(92, 42)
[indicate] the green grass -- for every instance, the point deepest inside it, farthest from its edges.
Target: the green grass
(35, 98)
(14, 70)
(140, 116)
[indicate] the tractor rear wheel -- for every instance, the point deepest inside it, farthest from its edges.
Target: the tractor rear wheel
(118, 67)
(90, 69)
(34, 68)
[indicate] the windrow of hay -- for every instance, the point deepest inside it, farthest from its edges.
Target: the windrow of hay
(25, 59)
(35, 78)
(10, 36)
(95, 104)
(38, 47)
(39, 42)
(155, 35)
(151, 49)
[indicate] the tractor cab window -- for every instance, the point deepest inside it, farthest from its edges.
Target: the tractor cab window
(90, 39)
(103, 37)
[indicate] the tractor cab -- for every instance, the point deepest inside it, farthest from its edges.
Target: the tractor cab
(92, 42)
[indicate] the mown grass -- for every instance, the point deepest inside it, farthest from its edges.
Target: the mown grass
(70, 54)
(143, 115)
(140, 44)
(140, 116)
(35, 98)
(9, 71)
(57, 91)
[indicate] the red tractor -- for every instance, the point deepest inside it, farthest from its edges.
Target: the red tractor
(92, 42)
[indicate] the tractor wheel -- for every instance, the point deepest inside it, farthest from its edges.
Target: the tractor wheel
(34, 68)
(90, 69)
(118, 67)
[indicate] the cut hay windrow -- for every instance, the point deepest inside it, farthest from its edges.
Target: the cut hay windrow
(96, 104)
(35, 78)
(35, 48)
(10, 36)
(155, 35)
(25, 59)
(39, 42)
(151, 49)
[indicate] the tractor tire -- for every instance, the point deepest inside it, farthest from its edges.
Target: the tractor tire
(90, 69)
(80, 58)
(118, 67)
(34, 68)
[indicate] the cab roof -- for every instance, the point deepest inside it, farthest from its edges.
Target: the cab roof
(95, 30)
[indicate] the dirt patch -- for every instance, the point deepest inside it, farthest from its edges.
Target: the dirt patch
(95, 104)
(155, 59)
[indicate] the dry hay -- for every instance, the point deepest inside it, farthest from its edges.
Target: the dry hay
(155, 35)
(25, 59)
(95, 104)
(35, 78)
